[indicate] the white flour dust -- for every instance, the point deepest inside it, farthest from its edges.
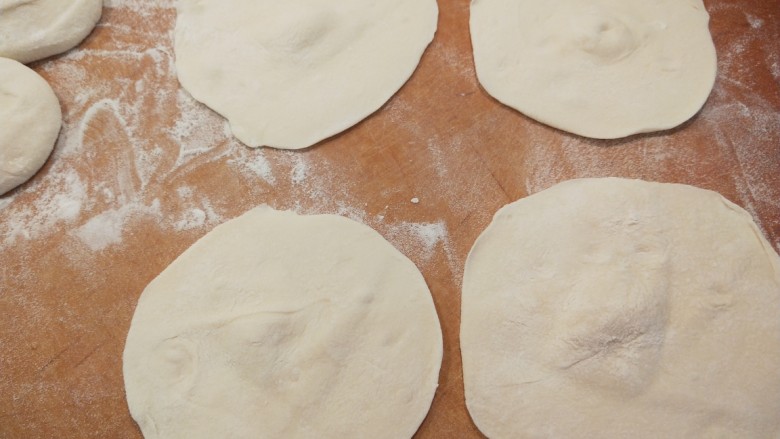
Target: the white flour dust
(95, 194)
(300, 170)
(107, 228)
(95, 197)
(253, 163)
(54, 207)
(419, 240)
(755, 22)
(736, 118)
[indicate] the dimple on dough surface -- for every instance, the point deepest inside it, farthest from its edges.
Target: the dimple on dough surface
(598, 68)
(279, 325)
(290, 74)
(620, 308)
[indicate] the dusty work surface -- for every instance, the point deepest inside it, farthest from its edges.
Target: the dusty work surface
(141, 171)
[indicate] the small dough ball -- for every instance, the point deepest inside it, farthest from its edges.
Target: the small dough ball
(276, 325)
(612, 308)
(597, 68)
(31, 120)
(288, 74)
(35, 29)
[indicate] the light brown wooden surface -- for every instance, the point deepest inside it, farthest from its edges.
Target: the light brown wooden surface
(140, 172)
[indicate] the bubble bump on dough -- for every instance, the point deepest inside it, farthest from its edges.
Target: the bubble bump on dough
(617, 308)
(290, 74)
(597, 68)
(279, 325)
(35, 29)
(31, 120)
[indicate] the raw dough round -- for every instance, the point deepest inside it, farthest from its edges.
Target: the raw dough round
(277, 325)
(288, 74)
(611, 308)
(31, 120)
(598, 68)
(35, 29)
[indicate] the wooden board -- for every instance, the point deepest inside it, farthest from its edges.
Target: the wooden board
(141, 171)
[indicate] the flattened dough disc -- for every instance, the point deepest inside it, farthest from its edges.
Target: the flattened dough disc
(598, 68)
(611, 308)
(290, 73)
(276, 325)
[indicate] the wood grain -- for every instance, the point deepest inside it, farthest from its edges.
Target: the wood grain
(72, 268)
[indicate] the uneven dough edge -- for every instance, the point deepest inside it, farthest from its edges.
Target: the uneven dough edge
(645, 127)
(742, 217)
(136, 341)
(354, 117)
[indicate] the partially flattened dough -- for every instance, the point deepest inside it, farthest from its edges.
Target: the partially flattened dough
(276, 325)
(30, 121)
(35, 29)
(598, 68)
(288, 74)
(616, 308)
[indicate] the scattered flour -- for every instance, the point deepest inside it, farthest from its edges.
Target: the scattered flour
(437, 155)
(200, 214)
(192, 219)
(755, 22)
(197, 130)
(98, 204)
(59, 203)
(300, 170)
(459, 61)
(736, 117)
(351, 212)
(110, 105)
(132, 141)
(419, 240)
(106, 228)
(94, 195)
(253, 163)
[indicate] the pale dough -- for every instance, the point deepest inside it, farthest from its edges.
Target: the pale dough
(290, 73)
(611, 308)
(35, 29)
(276, 325)
(598, 68)
(30, 121)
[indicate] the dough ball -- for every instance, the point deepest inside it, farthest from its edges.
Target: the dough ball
(31, 120)
(597, 68)
(288, 74)
(276, 325)
(35, 29)
(611, 308)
